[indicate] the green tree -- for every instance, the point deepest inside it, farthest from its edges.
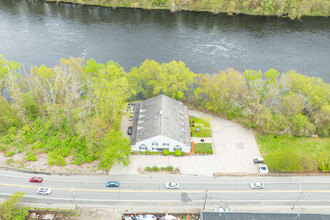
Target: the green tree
(7, 67)
(116, 150)
(10, 209)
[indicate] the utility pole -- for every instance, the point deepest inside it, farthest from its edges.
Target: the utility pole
(74, 200)
(297, 199)
(206, 194)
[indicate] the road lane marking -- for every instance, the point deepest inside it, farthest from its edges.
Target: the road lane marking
(169, 191)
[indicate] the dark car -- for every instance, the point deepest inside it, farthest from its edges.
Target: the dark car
(112, 184)
(36, 180)
(258, 160)
(130, 129)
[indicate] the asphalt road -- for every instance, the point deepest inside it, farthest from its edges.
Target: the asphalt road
(150, 189)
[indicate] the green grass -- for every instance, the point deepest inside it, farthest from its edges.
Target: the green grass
(202, 124)
(295, 154)
(201, 148)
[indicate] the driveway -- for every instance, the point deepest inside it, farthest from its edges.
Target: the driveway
(234, 149)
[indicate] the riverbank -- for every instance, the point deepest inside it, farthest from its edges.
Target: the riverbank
(291, 9)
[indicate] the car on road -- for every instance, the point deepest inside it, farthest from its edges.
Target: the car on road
(112, 184)
(36, 179)
(257, 185)
(172, 185)
(44, 191)
(258, 160)
(130, 129)
(221, 209)
(130, 118)
(263, 169)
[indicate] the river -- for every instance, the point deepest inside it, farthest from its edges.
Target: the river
(35, 33)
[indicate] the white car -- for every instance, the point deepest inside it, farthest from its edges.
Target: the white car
(44, 191)
(172, 185)
(221, 210)
(263, 169)
(257, 185)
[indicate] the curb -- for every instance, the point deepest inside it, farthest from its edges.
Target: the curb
(52, 172)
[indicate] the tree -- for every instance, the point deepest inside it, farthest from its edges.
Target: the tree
(6, 67)
(111, 90)
(10, 208)
(116, 149)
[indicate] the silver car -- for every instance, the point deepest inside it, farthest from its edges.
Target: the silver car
(44, 191)
(172, 185)
(257, 185)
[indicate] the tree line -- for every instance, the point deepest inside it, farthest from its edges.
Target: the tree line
(292, 8)
(74, 108)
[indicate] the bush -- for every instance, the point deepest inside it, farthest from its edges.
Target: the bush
(177, 152)
(9, 161)
(31, 157)
(155, 169)
(148, 168)
(183, 153)
(166, 152)
(10, 154)
(169, 168)
(147, 152)
(55, 159)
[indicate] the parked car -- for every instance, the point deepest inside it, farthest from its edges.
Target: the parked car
(130, 118)
(263, 169)
(44, 191)
(36, 179)
(130, 129)
(258, 160)
(221, 210)
(172, 185)
(257, 185)
(112, 184)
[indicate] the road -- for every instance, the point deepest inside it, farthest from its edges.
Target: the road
(150, 189)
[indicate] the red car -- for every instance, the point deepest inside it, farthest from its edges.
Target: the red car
(35, 180)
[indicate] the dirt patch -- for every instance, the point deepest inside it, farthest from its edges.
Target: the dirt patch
(18, 161)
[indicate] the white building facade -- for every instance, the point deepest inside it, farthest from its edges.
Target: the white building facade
(161, 123)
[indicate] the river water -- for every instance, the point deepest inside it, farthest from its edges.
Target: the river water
(35, 33)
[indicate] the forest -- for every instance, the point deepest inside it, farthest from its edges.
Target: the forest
(75, 107)
(294, 9)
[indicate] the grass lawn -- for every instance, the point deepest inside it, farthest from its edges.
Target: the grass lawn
(295, 154)
(202, 124)
(201, 148)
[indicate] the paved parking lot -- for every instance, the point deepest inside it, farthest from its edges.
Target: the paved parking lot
(234, 149)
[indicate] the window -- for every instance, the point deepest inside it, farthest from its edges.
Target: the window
(143, 147)
(166, 144)
(154, 143)
(155, 148)
(177, 147)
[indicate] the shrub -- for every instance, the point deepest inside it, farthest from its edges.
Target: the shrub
(183, 153)
(31, 157)
(169, 168)
(9, 161)
(10, 154)
(148, 168)
(177, 152)
(155, 169)
(147, 152)
(166, 152)
(55, 159)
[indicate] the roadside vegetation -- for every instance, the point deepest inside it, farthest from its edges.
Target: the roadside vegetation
(74, 109)
(291, 8)
(293, 154)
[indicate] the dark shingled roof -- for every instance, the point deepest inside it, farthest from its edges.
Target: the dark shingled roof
(161, 115)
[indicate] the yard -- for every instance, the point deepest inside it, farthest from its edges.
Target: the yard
(200, 127)
(202, 148)
(295, 154)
